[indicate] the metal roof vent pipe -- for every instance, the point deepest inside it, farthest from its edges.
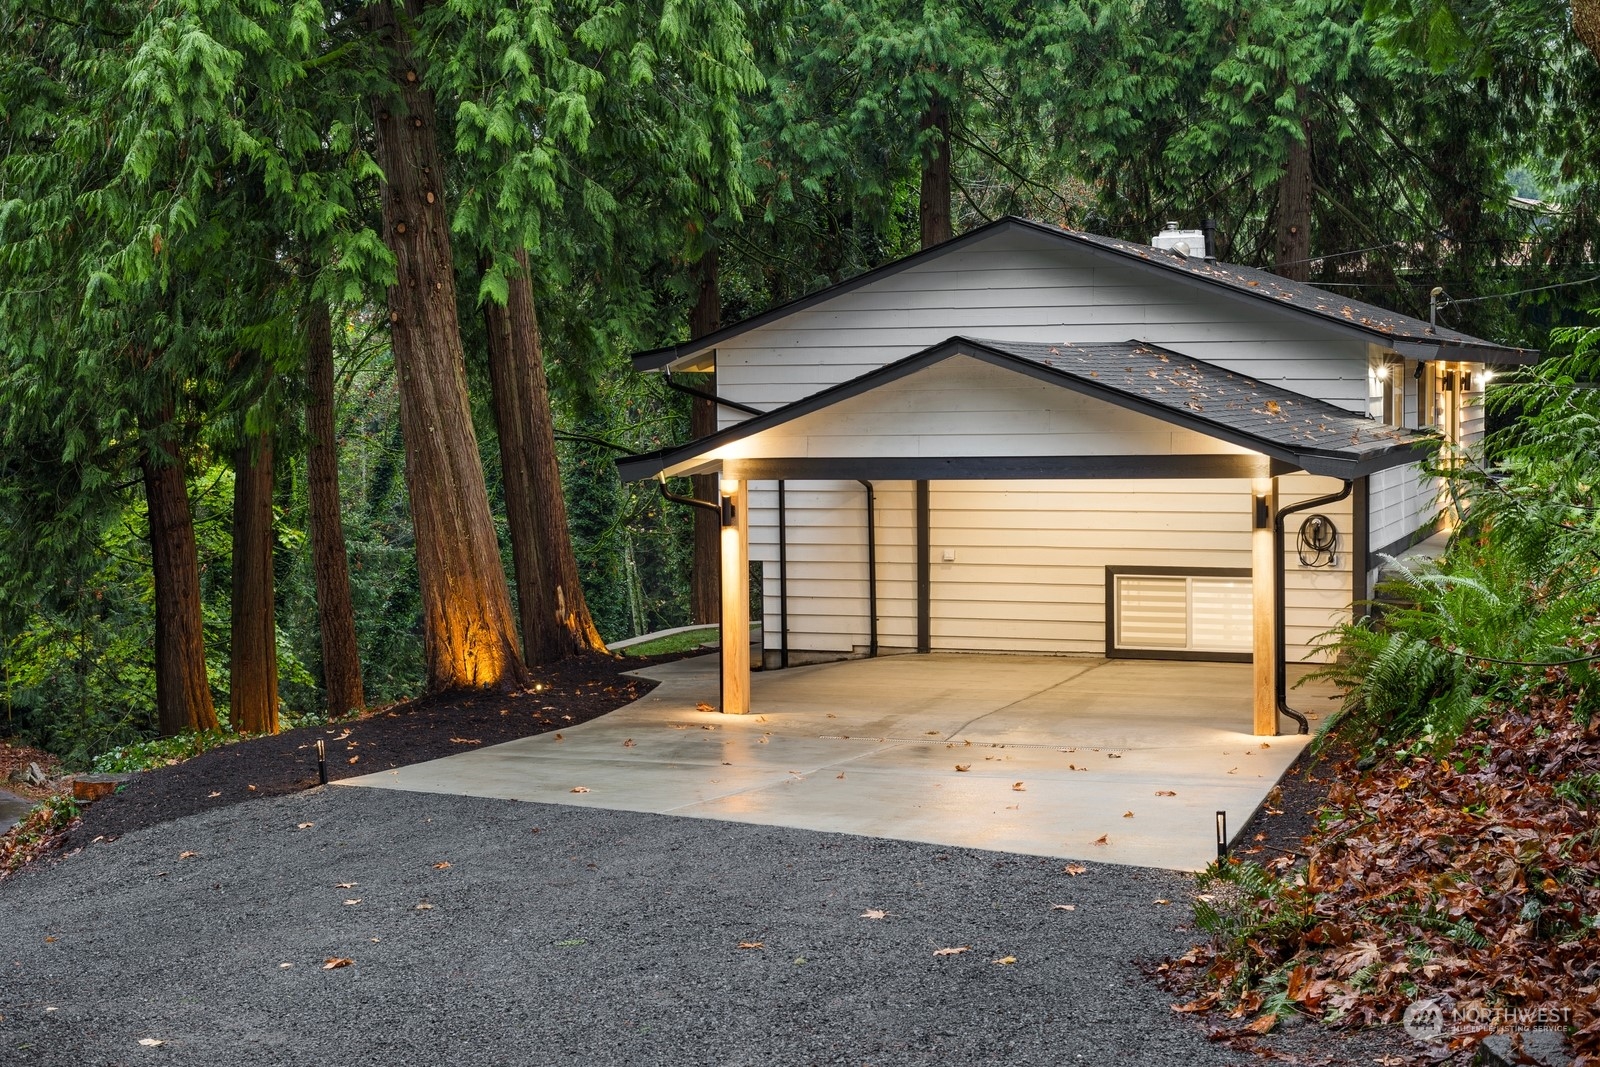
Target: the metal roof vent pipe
(1209, 228)
(1184, 242)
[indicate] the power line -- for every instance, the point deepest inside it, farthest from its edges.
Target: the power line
(1340, 255)
(1448, 300)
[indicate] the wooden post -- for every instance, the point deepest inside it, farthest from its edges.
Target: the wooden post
(1264, 607)
(736, 599)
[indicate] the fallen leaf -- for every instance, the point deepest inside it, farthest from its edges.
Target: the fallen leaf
(51, 939)
(443, 865)
(211, 795)
(346, 885)
(752, 944)
(187, 855)
(460, 741)
(333, 963)
(284, 966)
(559, 737)
(352, 759)
(1166, 793)
(1113, 755)
(151, 1042)
(424, 906)
(958, 950)
(1127, 815)
(703, 706)
(1064, 907)
(1263, 1023)
(579, 789)
(1005, 961)
(839, 775)
(874, 913)
(1103, 839)
(304, 825)
(251, 788)
(1273, 409)
(1018, 787)
(628, 743)
(1163, 903)
(1075, 869)
(353, 900)
(963, 766)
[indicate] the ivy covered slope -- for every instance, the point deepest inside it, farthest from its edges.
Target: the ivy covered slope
(1459, 859)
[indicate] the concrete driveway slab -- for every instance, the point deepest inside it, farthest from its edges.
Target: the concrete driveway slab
(1029, 754)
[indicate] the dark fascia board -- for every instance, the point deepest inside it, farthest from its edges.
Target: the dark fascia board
(1314, 461)
(964, 468)
(659, 358)
(1452, 350)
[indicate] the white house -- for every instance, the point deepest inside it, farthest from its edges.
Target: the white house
(1031, 439)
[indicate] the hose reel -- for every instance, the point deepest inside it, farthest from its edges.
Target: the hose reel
(1318, 542)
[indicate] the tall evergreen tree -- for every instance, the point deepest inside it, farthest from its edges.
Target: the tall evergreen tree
(469, 635)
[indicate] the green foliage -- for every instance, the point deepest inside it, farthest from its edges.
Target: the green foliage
(1239, 905)
(157, 752)
(1515, 591)
(687, 641)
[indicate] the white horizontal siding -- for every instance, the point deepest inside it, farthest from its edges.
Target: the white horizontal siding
(1400, 501)
(1030, 558)
(1028, 288)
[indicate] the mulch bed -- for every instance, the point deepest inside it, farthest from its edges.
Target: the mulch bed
(575, 690)
(1290, 812)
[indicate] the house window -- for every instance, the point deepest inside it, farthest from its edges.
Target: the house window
(1179, 613)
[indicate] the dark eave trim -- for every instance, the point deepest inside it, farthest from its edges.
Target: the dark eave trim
(1332, 463)
(937, 468)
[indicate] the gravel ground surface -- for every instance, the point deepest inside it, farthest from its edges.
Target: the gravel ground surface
(563, 936)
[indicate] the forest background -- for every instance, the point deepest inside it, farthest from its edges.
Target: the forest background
(314, 317)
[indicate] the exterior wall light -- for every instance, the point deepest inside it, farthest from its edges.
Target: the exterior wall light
(727, 490)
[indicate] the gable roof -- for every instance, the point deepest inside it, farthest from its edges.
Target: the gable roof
(1409, 336)
(1311, 434)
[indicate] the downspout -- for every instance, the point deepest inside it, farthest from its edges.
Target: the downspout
(872, 572)
(783, 579)
(1280, 626)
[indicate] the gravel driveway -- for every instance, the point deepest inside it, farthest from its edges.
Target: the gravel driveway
(561, 935)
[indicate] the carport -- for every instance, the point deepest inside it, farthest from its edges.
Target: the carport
(1124, 761)
(1115, 416)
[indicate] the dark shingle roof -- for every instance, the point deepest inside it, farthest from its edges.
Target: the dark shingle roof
(1390, 326)
(1207, 393)
(1312, 435)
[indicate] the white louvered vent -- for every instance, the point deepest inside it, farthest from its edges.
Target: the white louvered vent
(1182, 613)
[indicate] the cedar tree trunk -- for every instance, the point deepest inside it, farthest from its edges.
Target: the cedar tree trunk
(1586, 24)
(469, 637)
(341, 660)
(253, 659)
(705, 576)
(1292, 255)
(935, 209)
(183, 693)
(555, 616)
